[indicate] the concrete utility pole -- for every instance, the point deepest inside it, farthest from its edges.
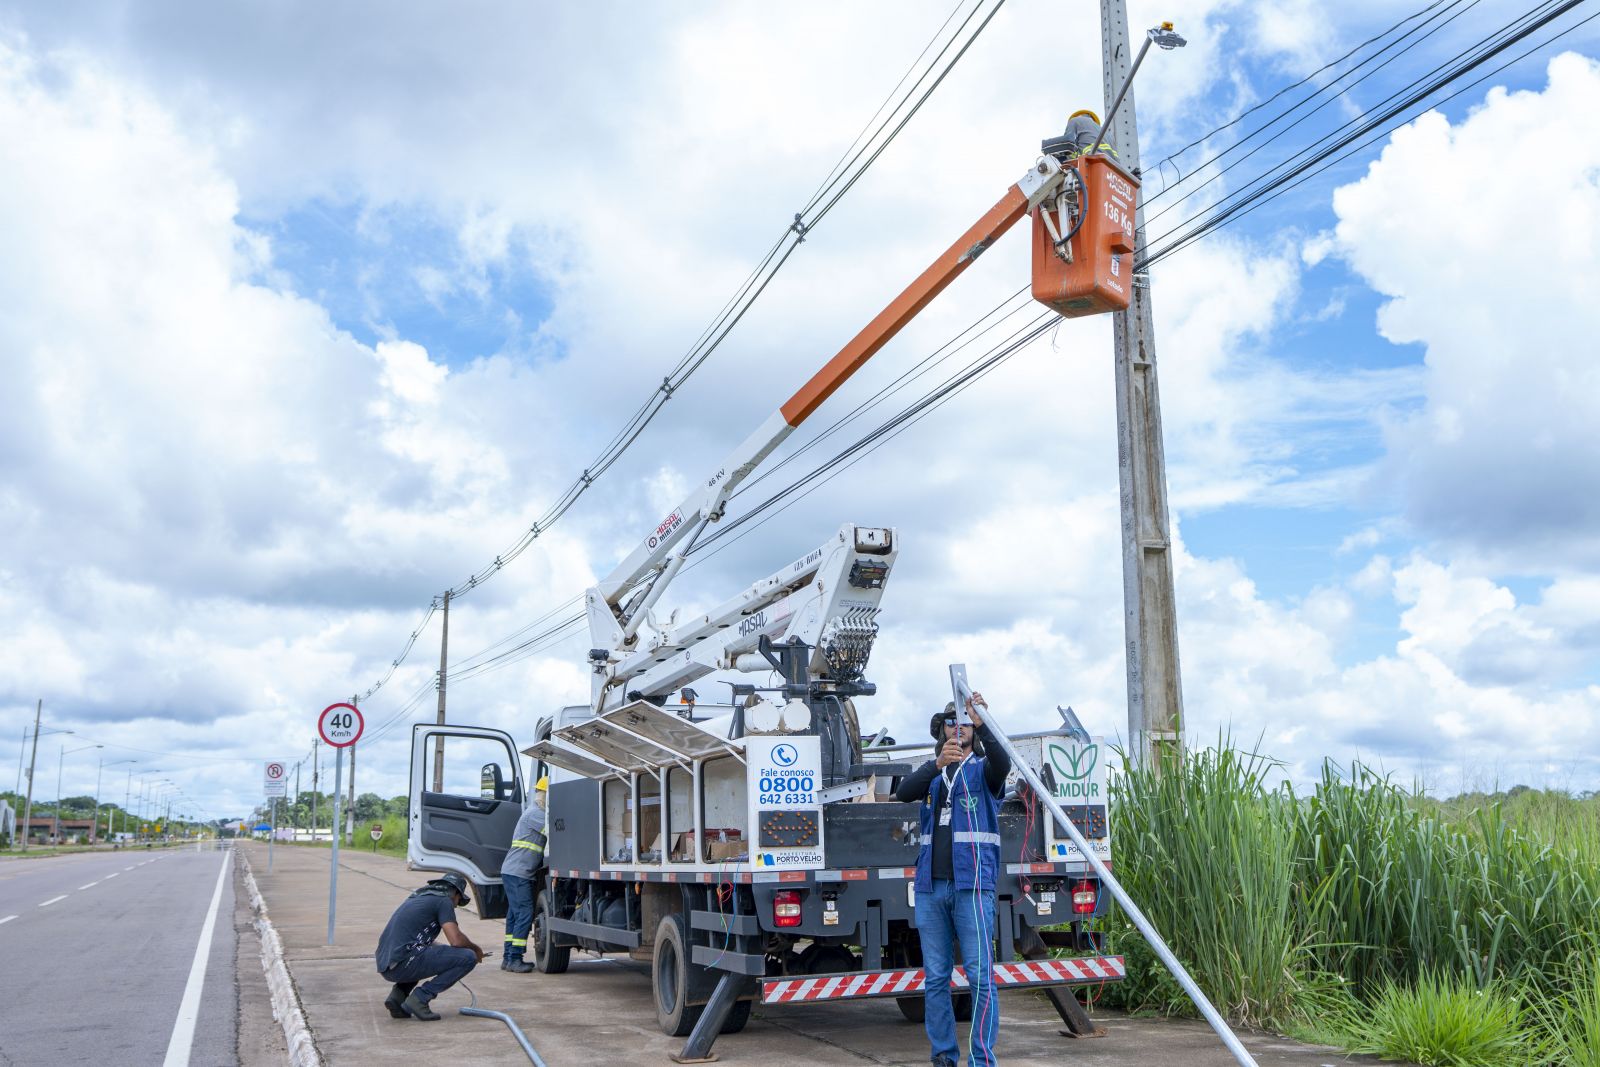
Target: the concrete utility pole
(1155, 691)
(444, 665)
(27, 817)
(313, 791)
(350, 808)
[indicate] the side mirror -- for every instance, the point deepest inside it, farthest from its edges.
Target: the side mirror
(492, 784)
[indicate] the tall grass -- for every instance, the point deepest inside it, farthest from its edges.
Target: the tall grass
(1286, 907)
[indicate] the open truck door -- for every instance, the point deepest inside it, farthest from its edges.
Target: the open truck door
(467, 793)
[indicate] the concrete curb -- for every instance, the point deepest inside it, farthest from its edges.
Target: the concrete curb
(285, 998)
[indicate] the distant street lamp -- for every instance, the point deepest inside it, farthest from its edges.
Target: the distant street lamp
(61, 762)
(94, 833)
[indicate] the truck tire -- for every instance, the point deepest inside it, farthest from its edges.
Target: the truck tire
(547, 956)
(738, 1015)
(672, 979)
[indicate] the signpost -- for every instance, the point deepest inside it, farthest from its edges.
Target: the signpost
(377, 835)
(274, 784)
(340, 726)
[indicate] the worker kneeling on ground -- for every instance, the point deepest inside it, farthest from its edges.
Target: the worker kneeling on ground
(406, 952)
(960, 792)
(522, 861)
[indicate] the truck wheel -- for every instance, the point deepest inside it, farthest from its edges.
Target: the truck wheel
(670, 978)
(738, 1015)
(547, 956)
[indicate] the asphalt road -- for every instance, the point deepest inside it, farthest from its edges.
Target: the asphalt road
(102, 959)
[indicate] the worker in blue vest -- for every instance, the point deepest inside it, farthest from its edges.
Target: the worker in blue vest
(517, 872)
(960, 790)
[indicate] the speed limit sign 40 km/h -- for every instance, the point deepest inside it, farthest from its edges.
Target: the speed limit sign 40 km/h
(340, 725)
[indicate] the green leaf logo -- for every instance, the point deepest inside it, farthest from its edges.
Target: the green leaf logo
(1079, 762)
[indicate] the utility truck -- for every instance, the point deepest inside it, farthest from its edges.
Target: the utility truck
(755, 852)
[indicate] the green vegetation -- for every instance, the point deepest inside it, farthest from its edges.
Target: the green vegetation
(1445, 932)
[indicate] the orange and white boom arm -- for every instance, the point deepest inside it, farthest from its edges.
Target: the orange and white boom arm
(614, 624)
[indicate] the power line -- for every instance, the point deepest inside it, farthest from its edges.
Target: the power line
(1322, 90)
(1221, 214)
(744, 297)
(1491, 46)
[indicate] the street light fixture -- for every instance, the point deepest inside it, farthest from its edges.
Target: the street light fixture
(94, 834)
(27, 812)
(61, 761)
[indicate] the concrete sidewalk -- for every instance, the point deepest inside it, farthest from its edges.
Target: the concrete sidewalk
(602, 1009)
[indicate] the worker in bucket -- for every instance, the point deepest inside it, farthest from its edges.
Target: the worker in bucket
(522, 861)
(406, 953)
(1082, 125)
(960, 791)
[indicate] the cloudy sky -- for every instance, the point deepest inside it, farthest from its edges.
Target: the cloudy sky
(308, 311)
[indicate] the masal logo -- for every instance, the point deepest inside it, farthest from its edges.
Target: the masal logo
(969, 804)
(1074, 766)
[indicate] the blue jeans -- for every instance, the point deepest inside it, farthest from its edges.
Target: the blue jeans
(446, 963)
(519, 914)
(944, 916)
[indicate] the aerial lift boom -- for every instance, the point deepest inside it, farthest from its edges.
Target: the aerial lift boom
(621, 603)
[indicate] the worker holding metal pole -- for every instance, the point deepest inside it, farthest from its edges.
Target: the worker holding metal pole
(996, 736)
(960, 791)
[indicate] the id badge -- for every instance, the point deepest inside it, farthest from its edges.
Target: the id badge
(944, 816)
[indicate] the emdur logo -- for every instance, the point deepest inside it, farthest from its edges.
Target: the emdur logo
(1074, 767)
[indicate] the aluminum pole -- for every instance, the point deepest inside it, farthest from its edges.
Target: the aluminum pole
(94, 828)
(333, 877)
(1157, 944)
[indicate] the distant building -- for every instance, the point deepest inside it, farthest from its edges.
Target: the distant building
(48, 830)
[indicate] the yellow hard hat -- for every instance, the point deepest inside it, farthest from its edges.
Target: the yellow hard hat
(543, 782)
(1084, 111)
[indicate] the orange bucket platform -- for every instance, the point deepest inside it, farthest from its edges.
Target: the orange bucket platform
(1095, 273)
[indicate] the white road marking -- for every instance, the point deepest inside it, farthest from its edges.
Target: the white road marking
(182, 1042)
(91, 885)
(52, 900)
(7, 919)
(113, 874)
(130, 867)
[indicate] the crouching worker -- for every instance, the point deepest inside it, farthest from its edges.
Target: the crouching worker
(522, 862)
(960, 791)
(406, 952)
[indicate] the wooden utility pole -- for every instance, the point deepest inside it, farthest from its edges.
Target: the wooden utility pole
(1155, 691)
(444, 665)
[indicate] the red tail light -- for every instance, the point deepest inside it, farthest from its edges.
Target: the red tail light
(786, 907)
(1084, 897)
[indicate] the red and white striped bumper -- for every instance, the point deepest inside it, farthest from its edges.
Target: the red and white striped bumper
(1083, 970)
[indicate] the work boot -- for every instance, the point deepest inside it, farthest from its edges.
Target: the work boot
(516, 965)
(396, 997)
(418, 1008)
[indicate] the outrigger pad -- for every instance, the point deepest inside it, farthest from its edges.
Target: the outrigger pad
(710, 1057)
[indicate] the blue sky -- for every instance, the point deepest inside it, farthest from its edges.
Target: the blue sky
(307, 332)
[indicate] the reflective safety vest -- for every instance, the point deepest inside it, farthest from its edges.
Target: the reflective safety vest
(526, 853)
(974, 829)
